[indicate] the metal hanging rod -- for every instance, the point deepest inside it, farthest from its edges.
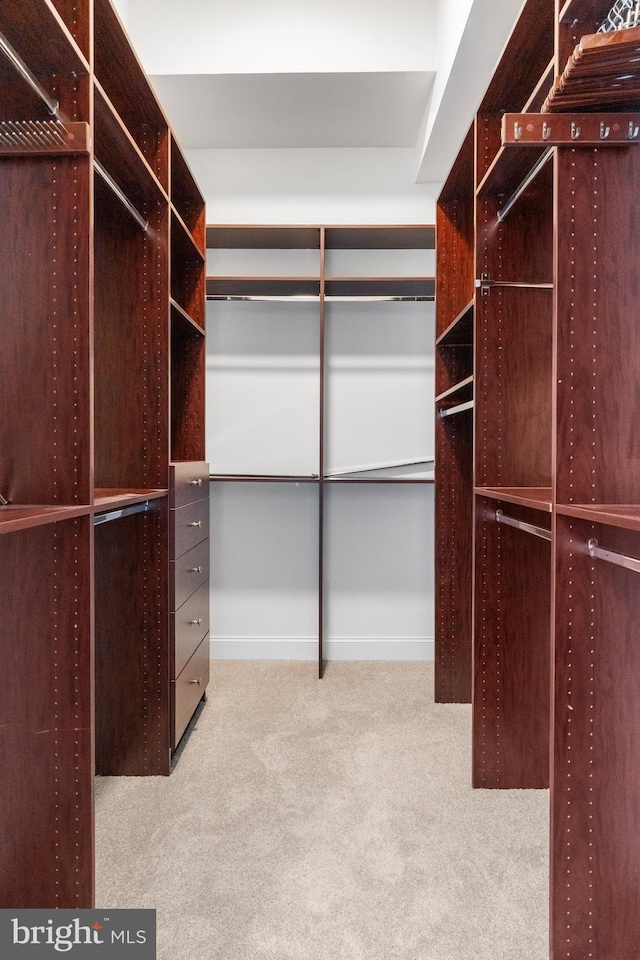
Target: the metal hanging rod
(485, 283)
(623, 15)
(315, 299)
(370, 468)
(122, 197)
(460, 408)
(16, 60)
(530, 177)
(619, 559)
(521, 525)
(124, 512)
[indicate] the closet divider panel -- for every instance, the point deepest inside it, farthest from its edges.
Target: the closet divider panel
(598, 388)
(512, 616)
(46, 717)
(45, 431)
(132, 653)
(595, 845)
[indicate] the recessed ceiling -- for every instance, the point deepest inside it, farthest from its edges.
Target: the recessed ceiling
(306, 110)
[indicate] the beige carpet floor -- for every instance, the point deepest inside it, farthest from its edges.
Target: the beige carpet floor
(327, 821)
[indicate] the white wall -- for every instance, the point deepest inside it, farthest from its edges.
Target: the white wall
(282, 36)
(351, 185)
(379, 540)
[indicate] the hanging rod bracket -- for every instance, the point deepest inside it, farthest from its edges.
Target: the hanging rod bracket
(597, 552)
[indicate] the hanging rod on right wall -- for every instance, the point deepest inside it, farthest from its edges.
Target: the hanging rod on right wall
(619, 559)
(18, 63)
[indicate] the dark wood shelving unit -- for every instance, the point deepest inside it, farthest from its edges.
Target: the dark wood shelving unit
(551, 471)
(87, 442)
(460, 331)
(322, 288)
(459, 392)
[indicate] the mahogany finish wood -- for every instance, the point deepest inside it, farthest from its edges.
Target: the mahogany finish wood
(189, 688)
(460, 330)
(132, 655)
(85, 432)
(459, 392)
(595, 840)
(46, 717)
(555, 394)
(189, 481)
(189, 625)
(45, 429)
(185, 196)
(187, 391)
(512, 616)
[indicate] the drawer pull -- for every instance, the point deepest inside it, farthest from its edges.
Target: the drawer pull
(195, 523)
(195, 681)
(196, 483)
(196, 622)
(194, 570)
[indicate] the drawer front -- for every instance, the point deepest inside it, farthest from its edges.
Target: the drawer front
(188, 573)
(188, 689)
(189, 482)
(189, 625)
(189, 526)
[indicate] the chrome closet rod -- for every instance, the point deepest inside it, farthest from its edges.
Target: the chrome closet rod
(521, 525)
(123, 512)
(121, 195)
(314, 298)
(530, 177)
(18, 63)
(619, 559)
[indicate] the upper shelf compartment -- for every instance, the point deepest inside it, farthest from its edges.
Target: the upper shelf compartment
(256, 237)
(186, 197)
(54, 74)
(400, 288)
(124, 82)
(381, 238)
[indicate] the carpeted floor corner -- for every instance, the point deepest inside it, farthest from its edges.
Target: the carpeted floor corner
(327, 821)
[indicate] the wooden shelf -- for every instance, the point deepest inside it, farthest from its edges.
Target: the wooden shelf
(459, 333)
(458, 392)
(395, 480)
(422, 287)
(113, 498)
(626, 516)
(263, 287)
(180, 315)
(584, 10)
(124, 81)
(509, 168)
(28, 25)
(17, 517)
(186, 199)
(539, 94)
(257, 237)
(538, 498)
(529, 49)
(380, 238)
(182, 238)
(120, 155)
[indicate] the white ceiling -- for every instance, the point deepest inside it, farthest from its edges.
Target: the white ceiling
(282, 74)
(296, 110)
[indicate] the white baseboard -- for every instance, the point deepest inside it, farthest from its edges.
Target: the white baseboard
(351, 648)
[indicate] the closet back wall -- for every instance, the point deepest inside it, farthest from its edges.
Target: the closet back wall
(379, 554)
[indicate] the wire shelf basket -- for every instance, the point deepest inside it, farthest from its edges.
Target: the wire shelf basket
(623, 15)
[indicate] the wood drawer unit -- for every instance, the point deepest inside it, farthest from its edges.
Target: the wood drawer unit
(189, 482)
(188, 573)
(189, 625)
(189, 526)
(189, 688)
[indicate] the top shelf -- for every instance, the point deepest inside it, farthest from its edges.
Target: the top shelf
(537, 498)
(23, 517)
(386, 237)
